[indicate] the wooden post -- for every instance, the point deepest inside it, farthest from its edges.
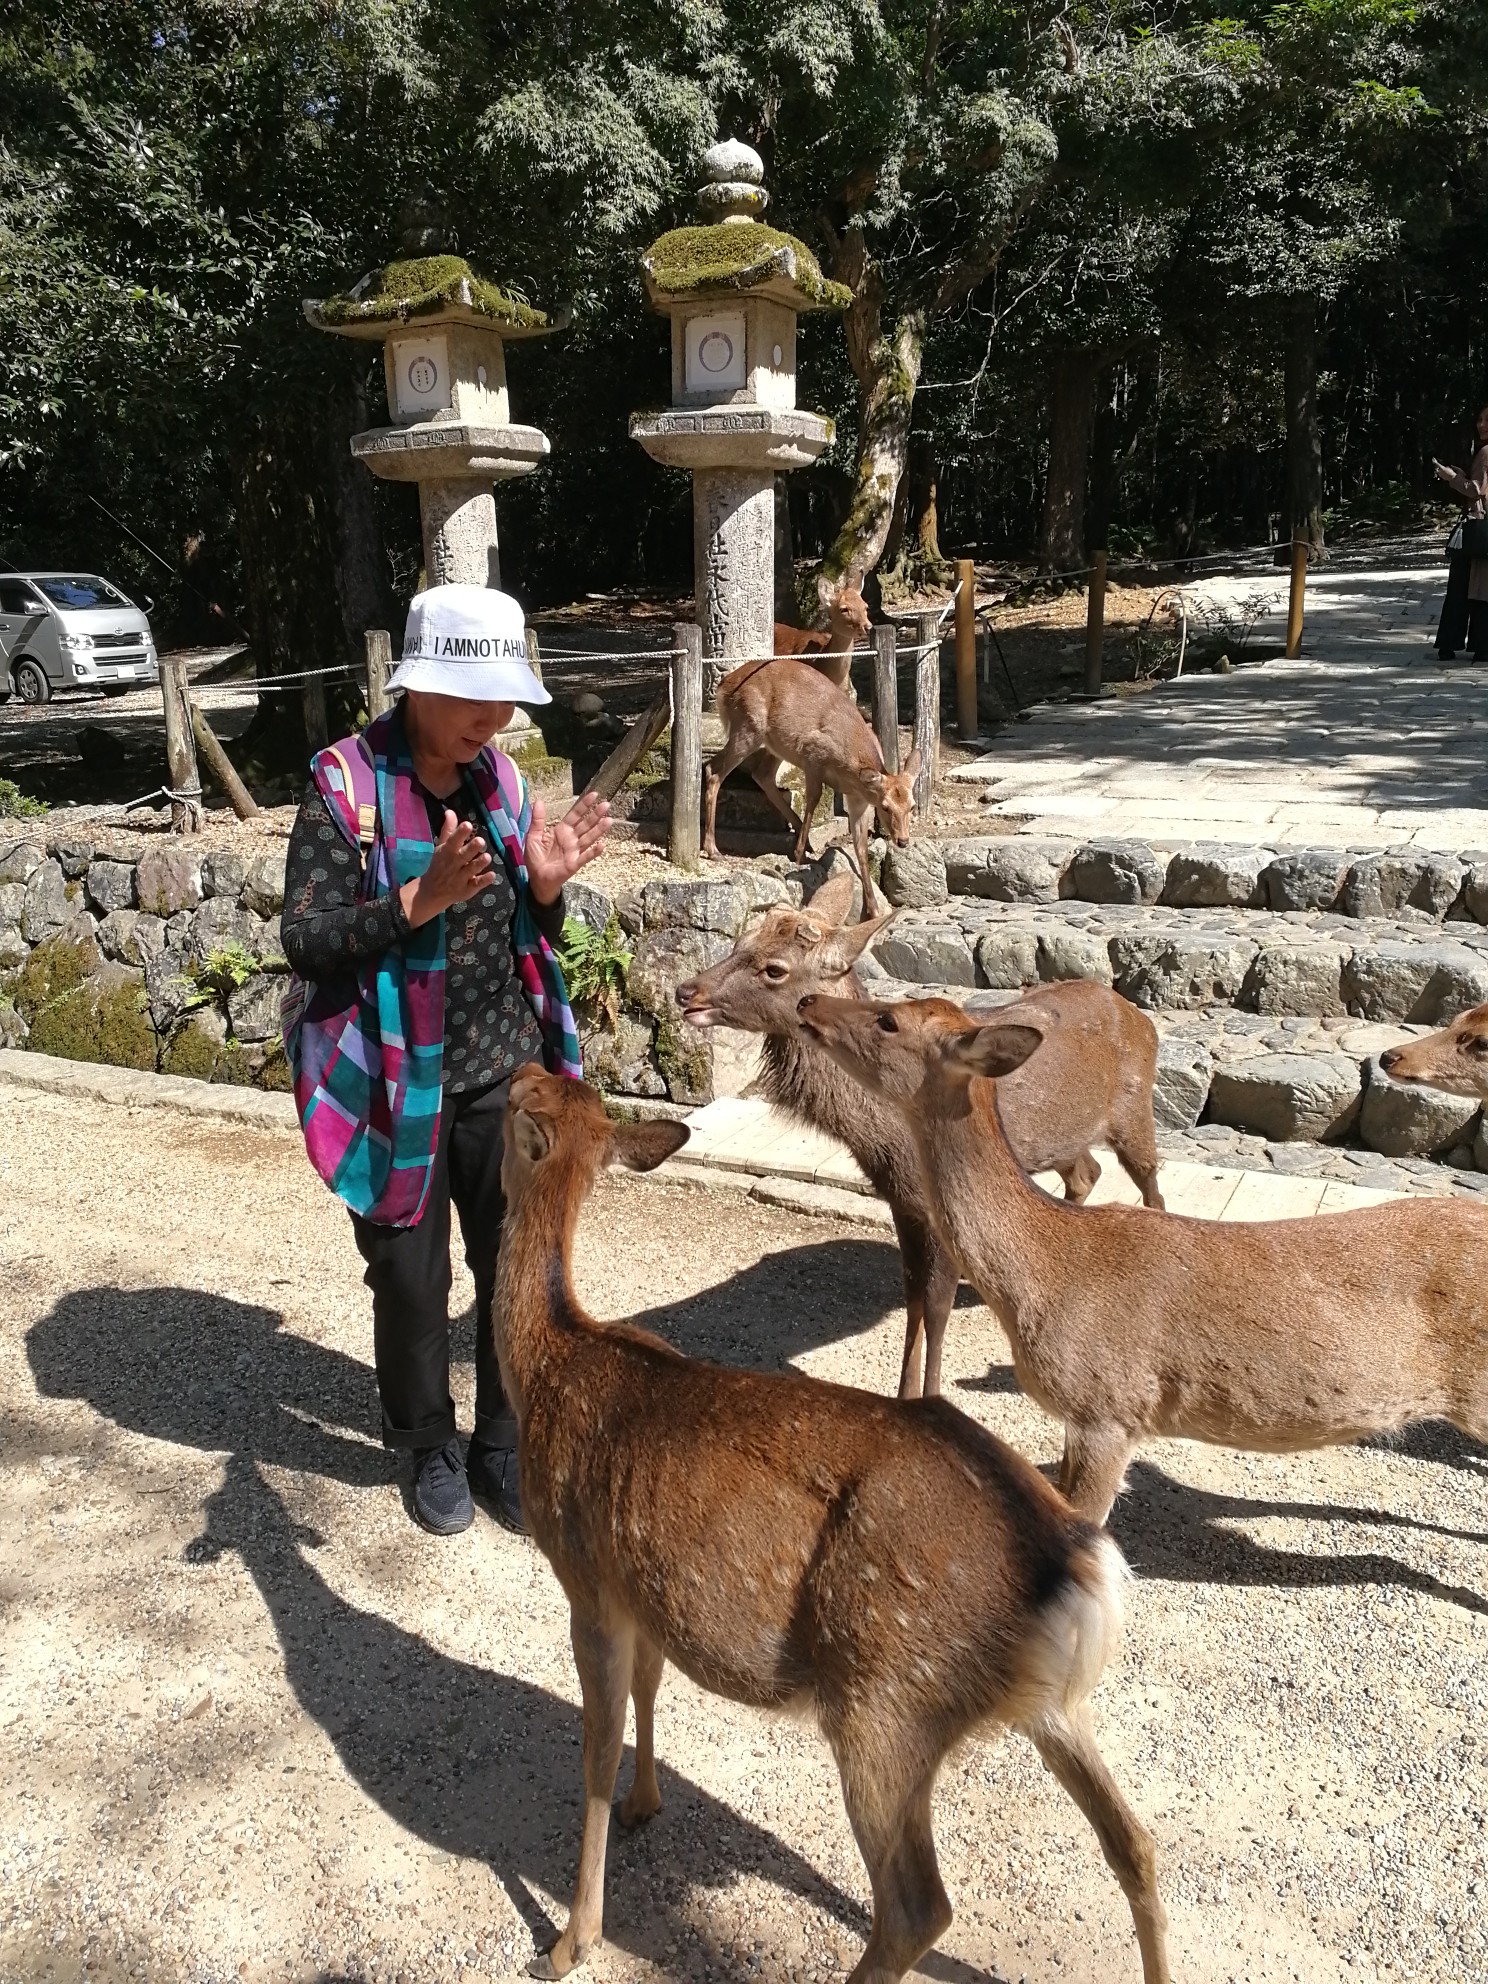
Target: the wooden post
(180, 747)
(632, 747)
(886, 691)
(1296, 604)
(221, 765)
(687, 745)
(966, 682)
(313, 709)
(1095, 623)
(379, 667)
(927, 708)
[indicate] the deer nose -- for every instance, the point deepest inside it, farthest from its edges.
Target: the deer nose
(685, 994)
(1390, 1059)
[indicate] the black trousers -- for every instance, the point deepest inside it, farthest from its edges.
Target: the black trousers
(1464, 621)
(408, 1272)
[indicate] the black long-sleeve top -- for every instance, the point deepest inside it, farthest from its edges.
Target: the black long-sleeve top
(328, 932)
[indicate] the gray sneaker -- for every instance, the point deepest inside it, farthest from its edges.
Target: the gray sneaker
(496, 1478)
(441, 1492)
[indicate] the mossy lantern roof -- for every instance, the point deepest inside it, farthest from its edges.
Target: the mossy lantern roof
(737, 257)
(427, 289)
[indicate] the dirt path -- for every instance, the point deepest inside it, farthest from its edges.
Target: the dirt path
(257, 1726)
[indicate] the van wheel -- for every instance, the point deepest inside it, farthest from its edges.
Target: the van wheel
(120, 689)
(31, 683)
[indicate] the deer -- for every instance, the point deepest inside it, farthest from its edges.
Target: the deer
(1092, 1084)
(1455, 1059)
(1274, 1336)
(885, 1566)
(782, 711)
(830, 652)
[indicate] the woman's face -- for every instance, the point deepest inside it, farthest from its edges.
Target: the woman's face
(453, 728)
(1482, 423)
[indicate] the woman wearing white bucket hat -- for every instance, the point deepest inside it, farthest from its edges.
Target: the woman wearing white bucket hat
(423, 898)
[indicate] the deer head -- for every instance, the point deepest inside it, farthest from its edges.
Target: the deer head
(847, 612)
(893, 798)
(549, 1116)
(897, 1050)
(1455, 1059)
(792, 952)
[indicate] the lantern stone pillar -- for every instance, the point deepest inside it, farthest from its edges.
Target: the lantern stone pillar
(732, 289)
(443, 332)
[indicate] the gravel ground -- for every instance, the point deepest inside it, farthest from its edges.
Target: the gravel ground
(258, 1726)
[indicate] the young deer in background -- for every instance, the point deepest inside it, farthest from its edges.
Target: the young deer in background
(785, 712)
(1278, 1335)
(794, 1545)
(1091, 1084)
(830, 652)
(1455, 1059)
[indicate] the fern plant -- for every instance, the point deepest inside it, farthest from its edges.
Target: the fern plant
(595, 965)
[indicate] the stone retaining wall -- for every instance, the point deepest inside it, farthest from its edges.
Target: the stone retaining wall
(174, 962)
(1202, 875)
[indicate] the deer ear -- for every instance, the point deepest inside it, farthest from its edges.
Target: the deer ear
(531, 1136)
(843, 948)
(642, 1146)
(912, 763)
(993, 1050)
(872, 782)
(833, 901)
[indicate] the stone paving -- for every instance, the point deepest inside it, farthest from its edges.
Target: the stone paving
(1365, 742)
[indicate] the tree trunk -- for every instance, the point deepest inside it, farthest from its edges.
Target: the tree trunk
(1304, 491)
(890, 373)
(1105, 471)
(364, 590)
(1071, 421)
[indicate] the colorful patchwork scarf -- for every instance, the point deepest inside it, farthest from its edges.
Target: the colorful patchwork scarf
(367, 1055)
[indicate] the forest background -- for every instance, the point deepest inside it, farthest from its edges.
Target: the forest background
(1138, 275)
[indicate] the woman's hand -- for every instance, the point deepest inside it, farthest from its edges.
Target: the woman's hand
(1443, 473)
(556, 853)
(461, 868)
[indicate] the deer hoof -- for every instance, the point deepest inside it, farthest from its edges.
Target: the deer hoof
(633, 1812)
(557, 1962)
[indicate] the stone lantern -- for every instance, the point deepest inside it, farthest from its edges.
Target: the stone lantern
(443, 331)
(733, 288)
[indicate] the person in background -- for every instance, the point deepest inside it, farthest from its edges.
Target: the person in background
(423, 902)
(1464, 614)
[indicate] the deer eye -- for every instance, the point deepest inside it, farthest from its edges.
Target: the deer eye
(887, 1023)
(776, 972)
(1478, 1044)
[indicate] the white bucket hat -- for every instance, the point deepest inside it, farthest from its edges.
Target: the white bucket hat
(467, 641)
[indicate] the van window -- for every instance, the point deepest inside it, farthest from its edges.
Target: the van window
(17, 597)
(77, 594)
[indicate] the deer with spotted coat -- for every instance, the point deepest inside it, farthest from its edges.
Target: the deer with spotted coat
(885, 1566)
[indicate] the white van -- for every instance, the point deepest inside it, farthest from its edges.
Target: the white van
(71, 630)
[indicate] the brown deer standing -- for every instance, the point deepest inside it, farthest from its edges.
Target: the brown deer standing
(830, 652)
(1091, 1084)
(793, 1545)
(1277, 1336)
(785, 712)
(1455, 1059)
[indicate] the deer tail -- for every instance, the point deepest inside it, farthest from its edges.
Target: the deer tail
(1076, 1631)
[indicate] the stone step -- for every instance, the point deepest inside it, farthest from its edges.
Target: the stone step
(1302, 963)
(1358, 884)
(1296, 1094)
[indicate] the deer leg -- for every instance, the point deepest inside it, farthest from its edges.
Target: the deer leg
(1136, 1151)
(765, 771)
(741, 741)
(910, 1375)
(858, 827)
(604, 1658)
(643, 1800)
(1093, 1470)
(1081, 1176)
(915, 1247)
(911, 1909)
(940, 1298)
(1067, 1745)
(808, 813)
